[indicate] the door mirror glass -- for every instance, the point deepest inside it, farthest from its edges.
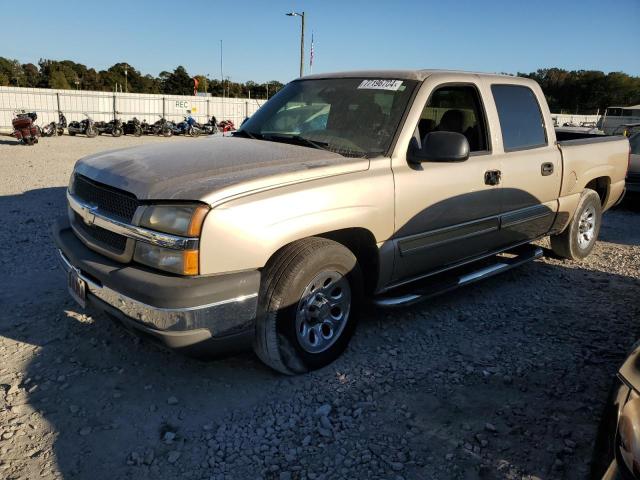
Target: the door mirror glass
(440, 147)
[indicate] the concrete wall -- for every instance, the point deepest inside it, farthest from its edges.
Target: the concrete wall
(101, 106)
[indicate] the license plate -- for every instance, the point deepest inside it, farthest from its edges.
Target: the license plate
(77, 287)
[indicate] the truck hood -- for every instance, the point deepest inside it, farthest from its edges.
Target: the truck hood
(212, 169)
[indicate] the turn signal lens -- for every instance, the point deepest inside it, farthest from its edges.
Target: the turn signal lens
(197, 219)
(190, 262)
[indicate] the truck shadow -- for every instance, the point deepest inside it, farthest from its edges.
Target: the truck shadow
(97, 394)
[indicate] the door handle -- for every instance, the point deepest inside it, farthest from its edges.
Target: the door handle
(492, 177)
(546, 169)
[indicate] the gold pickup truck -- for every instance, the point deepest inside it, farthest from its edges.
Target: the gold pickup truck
(385, 186)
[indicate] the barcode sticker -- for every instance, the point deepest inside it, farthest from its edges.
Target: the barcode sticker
(393, 85)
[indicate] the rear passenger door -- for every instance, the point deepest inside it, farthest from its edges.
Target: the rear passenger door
(530, 164)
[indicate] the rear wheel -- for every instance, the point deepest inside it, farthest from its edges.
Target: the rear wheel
(167, 132)
(306, 314)
(579, 238)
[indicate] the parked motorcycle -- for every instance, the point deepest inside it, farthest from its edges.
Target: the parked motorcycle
(189, 126)
(133, 127)
(163, 127)
(55, 128)
(226, 126)
(24, 128)
(114, 127)
(86, 127)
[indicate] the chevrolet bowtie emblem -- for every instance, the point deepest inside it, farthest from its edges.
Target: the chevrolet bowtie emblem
(89, 214)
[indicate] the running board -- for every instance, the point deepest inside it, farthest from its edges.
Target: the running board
(447, 281)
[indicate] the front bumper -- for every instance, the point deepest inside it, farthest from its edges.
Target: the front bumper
(209, 315)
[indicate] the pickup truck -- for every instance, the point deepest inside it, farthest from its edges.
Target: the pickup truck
(378, 186)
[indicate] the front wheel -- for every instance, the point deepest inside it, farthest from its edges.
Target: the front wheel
(307, 304)
(92, 132)
(167, 132)
(579, 238)
(116, 132)
(137, 132)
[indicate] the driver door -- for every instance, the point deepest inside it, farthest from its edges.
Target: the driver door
(446, 212)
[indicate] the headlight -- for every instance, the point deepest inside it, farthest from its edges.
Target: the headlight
(182, 220)
(182, 262)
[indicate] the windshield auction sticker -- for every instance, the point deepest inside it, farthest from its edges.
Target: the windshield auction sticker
(380, 85)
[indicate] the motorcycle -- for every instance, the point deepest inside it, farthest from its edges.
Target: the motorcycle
(163, 127)
(189, 126)
(133, 127)
(54, 128)
(86, 127)
(114, 127)
(24, 128)
(226, 126)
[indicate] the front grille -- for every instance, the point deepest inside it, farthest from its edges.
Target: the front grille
(108, 199)
(103, 238)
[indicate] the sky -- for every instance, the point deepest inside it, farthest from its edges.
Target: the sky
(260, 43)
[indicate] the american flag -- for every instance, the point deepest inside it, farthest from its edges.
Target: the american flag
(311, 55)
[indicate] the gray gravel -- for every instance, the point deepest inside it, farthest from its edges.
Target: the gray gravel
(504, 379)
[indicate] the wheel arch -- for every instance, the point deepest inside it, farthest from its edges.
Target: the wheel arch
(361, 242)
(602, 186)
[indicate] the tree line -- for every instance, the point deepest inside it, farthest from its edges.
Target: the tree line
(66, 75)
(586, 91)
(576, 91)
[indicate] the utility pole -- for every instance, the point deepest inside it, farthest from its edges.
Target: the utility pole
(301, 15)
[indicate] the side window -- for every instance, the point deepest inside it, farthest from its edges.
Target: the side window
(456, 108)
(520, 117)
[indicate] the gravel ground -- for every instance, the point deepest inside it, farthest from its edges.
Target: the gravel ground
(503, 379)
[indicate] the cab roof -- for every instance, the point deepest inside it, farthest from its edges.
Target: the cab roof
(418, 75)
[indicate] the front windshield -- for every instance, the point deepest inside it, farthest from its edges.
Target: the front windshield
(350, 116)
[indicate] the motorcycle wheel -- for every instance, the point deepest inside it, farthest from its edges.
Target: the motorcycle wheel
(167, 132)
(72, 134)
(116, 132)
(60, 132)
(137, 132)
(194, 132)
(92, 132)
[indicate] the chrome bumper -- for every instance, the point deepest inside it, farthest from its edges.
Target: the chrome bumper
(169, 319)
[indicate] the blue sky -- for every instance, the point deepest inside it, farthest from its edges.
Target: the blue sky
(261, 43)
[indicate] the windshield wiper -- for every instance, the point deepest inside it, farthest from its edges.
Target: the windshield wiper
(298, 139)
(245, 133)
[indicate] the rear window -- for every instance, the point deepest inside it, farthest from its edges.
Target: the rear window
(520, 117)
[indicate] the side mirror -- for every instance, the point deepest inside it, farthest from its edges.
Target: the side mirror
(441, 147)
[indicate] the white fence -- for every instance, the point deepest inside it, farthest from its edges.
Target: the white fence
(102, 106)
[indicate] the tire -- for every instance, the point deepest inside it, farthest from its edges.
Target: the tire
(137, 132)
(117, 132)
(167, 132)
(301, 325)
(579, 238)
(60, 132)
(194, 132)
(92, 132)
(72, 134)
